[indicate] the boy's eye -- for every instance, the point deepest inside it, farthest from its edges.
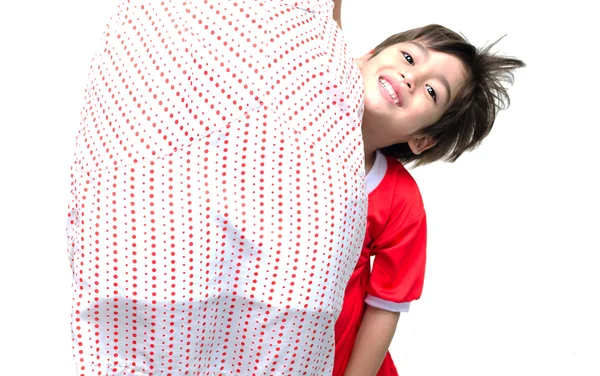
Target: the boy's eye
(408, 58)
(432, 93)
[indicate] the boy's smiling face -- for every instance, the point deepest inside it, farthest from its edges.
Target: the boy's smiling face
(407, 88)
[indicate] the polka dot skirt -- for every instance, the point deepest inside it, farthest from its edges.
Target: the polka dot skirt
(218, 205)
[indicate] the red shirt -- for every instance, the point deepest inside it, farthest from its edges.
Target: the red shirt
(396, 236)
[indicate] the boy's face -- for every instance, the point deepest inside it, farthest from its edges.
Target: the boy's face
(407, 88)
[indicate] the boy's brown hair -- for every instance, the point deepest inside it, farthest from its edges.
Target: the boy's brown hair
(472, 114)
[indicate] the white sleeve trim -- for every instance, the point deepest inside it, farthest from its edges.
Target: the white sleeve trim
(386, 304)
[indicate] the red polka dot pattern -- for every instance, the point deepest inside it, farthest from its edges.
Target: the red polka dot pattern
(218, 200)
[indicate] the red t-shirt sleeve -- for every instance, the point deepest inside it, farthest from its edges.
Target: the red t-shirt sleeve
(400, 250)
(399, 267)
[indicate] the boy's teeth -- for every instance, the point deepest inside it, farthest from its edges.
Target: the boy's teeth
(387, 86)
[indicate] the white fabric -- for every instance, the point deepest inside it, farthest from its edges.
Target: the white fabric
(218, 191)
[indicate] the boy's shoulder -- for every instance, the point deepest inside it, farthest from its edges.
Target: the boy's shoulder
(393, 190)
(390, 178)
(395, 201)
(401, 174)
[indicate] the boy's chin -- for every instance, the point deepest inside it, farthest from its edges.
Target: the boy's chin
(376, 103)
(379, 114)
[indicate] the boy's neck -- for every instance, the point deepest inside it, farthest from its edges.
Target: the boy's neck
(369, 161)
(370, 152)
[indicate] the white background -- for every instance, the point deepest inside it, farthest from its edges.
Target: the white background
(512, 284)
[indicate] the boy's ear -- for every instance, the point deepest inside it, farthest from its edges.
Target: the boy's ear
(363, 59)
(419, 144)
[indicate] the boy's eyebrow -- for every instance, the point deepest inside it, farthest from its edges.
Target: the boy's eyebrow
(424, 50)
(447, 86)
(442, 78)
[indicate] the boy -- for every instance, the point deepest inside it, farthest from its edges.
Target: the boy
(429, 95)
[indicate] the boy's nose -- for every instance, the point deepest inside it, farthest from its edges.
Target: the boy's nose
(408, 79)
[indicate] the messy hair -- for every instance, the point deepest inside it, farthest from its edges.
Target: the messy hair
(472, 114)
